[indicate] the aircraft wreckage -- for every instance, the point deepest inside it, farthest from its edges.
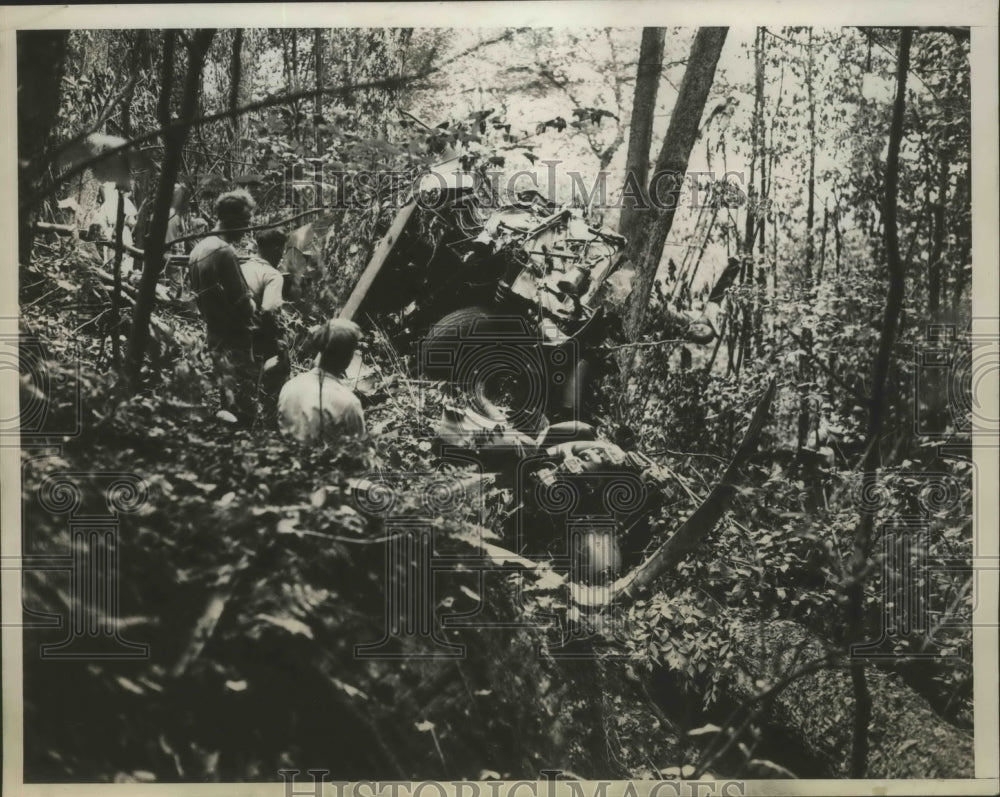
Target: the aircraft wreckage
(510, 305)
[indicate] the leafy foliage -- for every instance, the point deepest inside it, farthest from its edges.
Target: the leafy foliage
(252, 575)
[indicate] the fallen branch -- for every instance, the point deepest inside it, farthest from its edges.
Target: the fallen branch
(257, 227)
(49, 226)
(641, 344)
(129, 295)
(124, 247)
(704, 518)
(69, 229)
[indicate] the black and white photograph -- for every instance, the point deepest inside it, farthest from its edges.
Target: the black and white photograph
(567, 398)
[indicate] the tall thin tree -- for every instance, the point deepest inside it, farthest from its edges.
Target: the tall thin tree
(154, 246)
(646, 247)
(876, 416)
(811, 183)
(640, 136)
(41, 58)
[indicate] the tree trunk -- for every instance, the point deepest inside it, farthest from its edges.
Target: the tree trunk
(318, 101)
(640, 134)
(816, 708)
(646, 247)
(116, 293)
(811, 185)
(41, 56)
(756, 146)
(296, 106)
(703, 520)
(937, 245)
(963, 262)
(235, 82)
(173, 143)
(139, 47)
(836, 238)
(876, 417)
(805, 376)
(822, 242)
(761, 211)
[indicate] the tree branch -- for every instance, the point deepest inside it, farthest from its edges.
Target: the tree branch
(271, 102)
(861, 397)
(703, 519)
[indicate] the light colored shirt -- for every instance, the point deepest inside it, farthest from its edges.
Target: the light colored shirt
(176, 228)
(107, 212)
(107, 216)
(317, 406)
(264, 282)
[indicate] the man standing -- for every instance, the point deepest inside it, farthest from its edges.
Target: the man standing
(225, 304)
(106, 219)
(177, 221)
(261, 273)
(266, 286)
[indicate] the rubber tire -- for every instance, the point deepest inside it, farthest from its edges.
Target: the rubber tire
(467, 326)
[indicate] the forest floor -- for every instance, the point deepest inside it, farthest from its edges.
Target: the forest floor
(248, 568)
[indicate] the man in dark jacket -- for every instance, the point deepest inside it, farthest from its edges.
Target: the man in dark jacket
(217, 280)
(226, 306)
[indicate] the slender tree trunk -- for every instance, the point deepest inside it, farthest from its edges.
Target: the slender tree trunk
(286, 62)
(811, 185)
(173, 143)
(236, 69)
(836, 238)
(296, 106)
(640, 135)
(139, 48)
(774, 256)
(684, 285)
(805, 377)
(822, 242)
(116, 289)
(762, 195)
(318, 100)
(934, 267)
(805, 364)
(235, 81)
(41, 57)
(761, 211)
(876, 417)
(963, 261)
(646, 248)
(756, 147)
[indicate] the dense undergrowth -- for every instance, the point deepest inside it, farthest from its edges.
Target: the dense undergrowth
(252, 571)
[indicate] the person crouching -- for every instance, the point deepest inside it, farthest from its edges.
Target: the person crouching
(316, 405)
